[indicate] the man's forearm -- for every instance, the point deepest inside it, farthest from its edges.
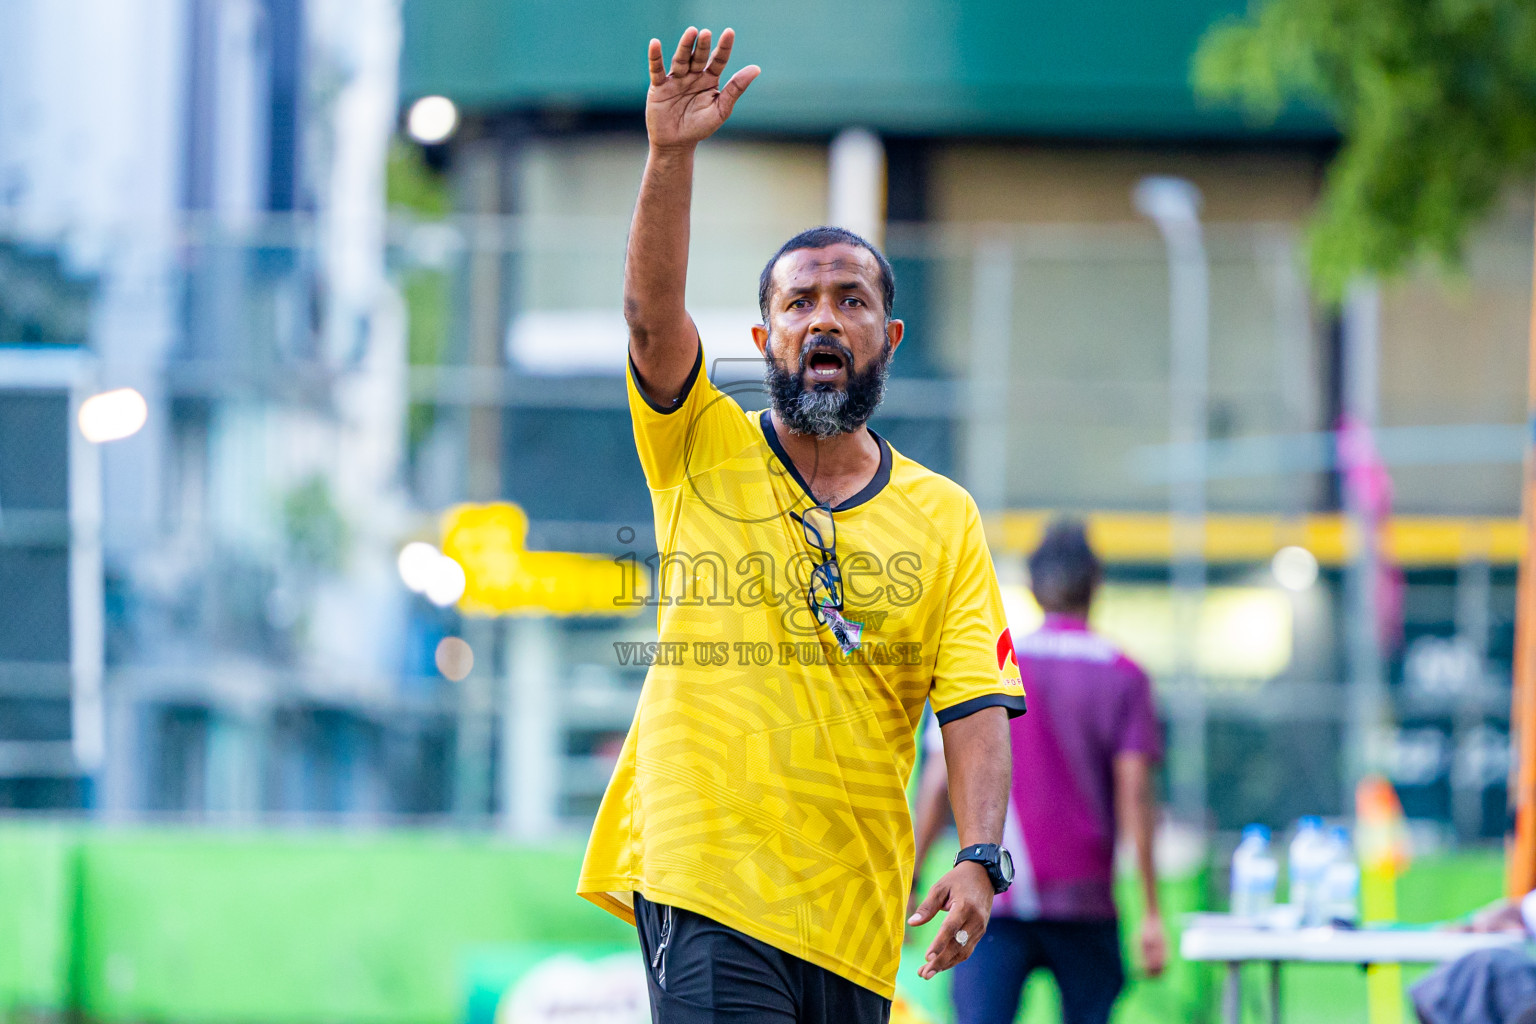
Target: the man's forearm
(656, 267)
(1144, 864)
(980, 763)
(1137, 814)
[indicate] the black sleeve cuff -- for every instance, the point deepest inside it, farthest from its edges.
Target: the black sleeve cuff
(693, 376)
(1014, 705)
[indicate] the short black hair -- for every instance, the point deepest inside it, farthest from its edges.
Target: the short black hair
(1063, 570)
(820, 238)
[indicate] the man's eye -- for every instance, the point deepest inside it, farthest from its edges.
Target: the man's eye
(854, 301)
(798, 304)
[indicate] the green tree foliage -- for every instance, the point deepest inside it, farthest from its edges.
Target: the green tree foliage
(316, 534)
(1435, 99)
(418, 192)
(409, 184)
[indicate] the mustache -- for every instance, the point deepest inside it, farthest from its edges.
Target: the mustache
(822, 343)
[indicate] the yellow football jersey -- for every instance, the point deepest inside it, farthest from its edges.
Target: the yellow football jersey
(762, 783)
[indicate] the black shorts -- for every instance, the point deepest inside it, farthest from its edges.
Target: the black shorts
(701, 972)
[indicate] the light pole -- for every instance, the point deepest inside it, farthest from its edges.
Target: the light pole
(1173, 204)
(1367, 499)
(1520, 864)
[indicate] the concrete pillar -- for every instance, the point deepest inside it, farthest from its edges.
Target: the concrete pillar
(856, 183)
(530, 762)
(1173, 204)
(986, 449)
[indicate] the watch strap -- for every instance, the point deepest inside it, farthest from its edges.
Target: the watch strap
(983, 852)
(989, 856)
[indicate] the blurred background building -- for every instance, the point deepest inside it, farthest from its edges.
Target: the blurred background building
(362, 261)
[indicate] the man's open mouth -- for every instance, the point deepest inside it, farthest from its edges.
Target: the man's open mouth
(824, 364)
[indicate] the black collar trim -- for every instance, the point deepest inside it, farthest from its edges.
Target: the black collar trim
(875, 486)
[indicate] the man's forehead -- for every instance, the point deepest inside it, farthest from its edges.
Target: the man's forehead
(802, 264)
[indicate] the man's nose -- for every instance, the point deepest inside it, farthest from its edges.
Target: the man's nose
(825, 319)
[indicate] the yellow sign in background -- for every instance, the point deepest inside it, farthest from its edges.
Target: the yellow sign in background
(504, 578)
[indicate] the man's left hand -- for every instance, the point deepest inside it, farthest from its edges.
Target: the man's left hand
(1154, 946)
(965, 893)
(1499, 916)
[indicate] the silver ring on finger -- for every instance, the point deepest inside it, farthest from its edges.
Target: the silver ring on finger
(962, 937)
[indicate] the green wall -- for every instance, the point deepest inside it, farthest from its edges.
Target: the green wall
(1091, 67)
(36, 907)
(270, 928)
(207, 927)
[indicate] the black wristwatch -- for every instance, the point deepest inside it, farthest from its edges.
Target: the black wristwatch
(997, 861)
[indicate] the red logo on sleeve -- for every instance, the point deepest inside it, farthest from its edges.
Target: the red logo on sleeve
(1005, 650)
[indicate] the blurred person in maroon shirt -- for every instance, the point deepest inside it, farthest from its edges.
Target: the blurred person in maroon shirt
(1082, 763)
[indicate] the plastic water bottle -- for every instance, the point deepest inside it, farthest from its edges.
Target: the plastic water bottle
(1341, 881)
(1309, 859)
(1254, 871)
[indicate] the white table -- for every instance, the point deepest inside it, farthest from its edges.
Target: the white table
(1219, 938)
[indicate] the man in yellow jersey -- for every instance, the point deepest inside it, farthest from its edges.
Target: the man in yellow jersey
(815, 589)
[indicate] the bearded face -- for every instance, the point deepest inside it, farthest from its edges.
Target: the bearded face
(823, 394)
(827, 338)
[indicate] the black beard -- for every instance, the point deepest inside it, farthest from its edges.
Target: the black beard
(825, 411)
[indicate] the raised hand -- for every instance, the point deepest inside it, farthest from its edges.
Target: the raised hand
(686, 103)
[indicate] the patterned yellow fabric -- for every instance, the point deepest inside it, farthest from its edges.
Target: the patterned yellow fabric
(762, 783)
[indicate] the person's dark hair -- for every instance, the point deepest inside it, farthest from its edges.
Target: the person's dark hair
(820, 238)
(1064, 571)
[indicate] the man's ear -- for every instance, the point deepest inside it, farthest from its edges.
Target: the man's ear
(760, 338)
(895, 330)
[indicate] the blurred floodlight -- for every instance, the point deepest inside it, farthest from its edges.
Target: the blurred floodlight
(1164, 199)
(447, 583)
(1295, 568)
(113, 415)
(455, 659)
(432, 119)
(428, 571)
(417, 563)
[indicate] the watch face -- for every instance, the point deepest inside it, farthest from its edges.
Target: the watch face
(1005, 864)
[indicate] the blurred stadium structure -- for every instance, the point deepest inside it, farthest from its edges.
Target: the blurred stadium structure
(204, 621)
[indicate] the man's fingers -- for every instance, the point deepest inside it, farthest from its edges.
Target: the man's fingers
(930, 906)
(942, 951)
(736, 86)
(1154, 952)
(700, 56)
(946, 951)
(942, 941)
(722, 53)
(953, 954)
(658, 69)
(684, 54)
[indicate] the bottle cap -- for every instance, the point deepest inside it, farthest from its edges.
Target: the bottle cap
(1262, 831)
(1311, 821)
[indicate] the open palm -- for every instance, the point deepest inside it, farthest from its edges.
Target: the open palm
(687, 104)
